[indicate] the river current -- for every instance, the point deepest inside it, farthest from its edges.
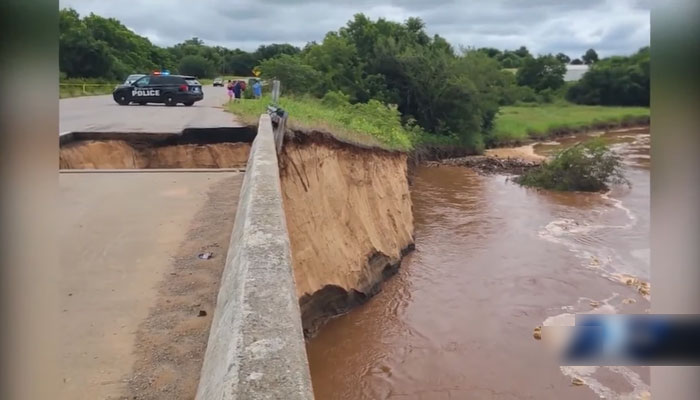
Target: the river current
(494, 260)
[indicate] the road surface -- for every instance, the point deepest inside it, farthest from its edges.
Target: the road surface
(102, 114)
(132, 285)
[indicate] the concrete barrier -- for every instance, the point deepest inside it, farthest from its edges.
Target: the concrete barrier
(256, 346)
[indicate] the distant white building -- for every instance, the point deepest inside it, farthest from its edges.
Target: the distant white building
(575, 72)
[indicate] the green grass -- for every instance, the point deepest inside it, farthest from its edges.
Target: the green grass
(370, 124)
(519, 123)
(84, 87)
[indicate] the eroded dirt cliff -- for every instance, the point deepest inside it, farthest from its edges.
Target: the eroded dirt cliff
(119, 154)
(349, 218)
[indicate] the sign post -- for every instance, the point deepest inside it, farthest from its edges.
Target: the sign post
(275, 92)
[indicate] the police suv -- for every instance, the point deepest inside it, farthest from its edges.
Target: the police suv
(160, 88)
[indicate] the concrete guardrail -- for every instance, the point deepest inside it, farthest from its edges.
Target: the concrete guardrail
(256, 345)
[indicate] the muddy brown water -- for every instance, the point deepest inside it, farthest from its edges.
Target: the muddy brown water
(494, 260)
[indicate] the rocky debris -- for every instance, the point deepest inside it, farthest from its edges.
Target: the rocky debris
(577, 382)
(537, 333)
(629, 301)
(642, 287)
(489, 165)
(595, 304)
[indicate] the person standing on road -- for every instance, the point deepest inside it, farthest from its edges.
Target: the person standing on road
(229, 90)
(257, 89)
(237, 91)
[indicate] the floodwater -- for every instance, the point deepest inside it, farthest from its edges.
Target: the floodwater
(493, 261)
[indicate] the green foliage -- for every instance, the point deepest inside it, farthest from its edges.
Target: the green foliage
(576, 61)
(590, 57)
(248, 93)
(615, 81)
(337, 59)
(372, 123)
(563, 58)
(335, 99)
(295, 76)
(590, 166)
(97, 47)
(196, 66)
(273, 50)
(543, 72)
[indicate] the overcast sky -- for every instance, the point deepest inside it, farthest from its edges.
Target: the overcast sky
(569, 26)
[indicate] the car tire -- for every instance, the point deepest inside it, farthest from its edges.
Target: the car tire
(170, 100)
(122, 100)
(188, 103)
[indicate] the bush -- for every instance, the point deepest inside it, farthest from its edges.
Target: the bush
(590, 166)
(248, 92)
(335, 99)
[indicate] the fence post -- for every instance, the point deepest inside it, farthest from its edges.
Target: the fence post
(275, 92)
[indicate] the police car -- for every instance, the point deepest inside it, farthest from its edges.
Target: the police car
(160, 87)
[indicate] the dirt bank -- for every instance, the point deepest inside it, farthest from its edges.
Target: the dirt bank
(350, 221)
(119, 154)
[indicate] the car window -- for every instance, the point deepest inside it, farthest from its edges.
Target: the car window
(158, 80)
(143, 81)
(173, 80)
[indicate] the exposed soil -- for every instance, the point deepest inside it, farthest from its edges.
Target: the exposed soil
(526, 153)
(171, 342)
(349, 217)
(120, 154)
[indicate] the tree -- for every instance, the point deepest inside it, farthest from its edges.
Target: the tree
(490, 52)
(563, 58)
(590, 57)
(240, 62)
(576, 61)
(615, 81)
(275, 49)
(97, 47)
(196, 66)
(337, 59)
(294, 75)
(543, 72)
(522, 52)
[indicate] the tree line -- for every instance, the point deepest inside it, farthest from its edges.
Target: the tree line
(516, 58)
(98, 47)
(440, 89)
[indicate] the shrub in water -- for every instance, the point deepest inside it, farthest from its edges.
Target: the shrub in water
(590, 166)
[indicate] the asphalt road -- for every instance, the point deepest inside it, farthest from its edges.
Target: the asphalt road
(126, 238)
(103, 114)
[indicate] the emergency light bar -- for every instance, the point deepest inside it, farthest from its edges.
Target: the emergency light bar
(163, 72)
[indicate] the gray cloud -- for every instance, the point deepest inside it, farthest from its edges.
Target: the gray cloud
(544, 26)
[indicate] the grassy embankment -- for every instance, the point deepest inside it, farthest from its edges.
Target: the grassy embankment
(374, 125)
(84, 87)
(366, 124)
(516, 124)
